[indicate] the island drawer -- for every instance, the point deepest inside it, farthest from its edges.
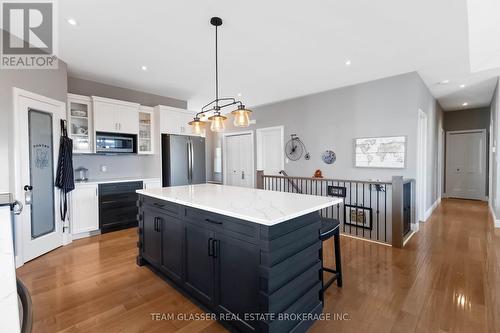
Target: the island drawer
(222, 222)
(162, 205)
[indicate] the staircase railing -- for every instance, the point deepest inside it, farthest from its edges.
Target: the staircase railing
(379, 211)
(291, 181)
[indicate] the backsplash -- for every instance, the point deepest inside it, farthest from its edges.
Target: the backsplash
(118, 166)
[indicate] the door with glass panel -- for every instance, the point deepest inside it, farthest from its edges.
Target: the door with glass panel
(38, 132)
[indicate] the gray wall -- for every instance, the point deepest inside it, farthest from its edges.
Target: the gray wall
(466, 119)
(92, 88)
(333, 119)
(51, 83)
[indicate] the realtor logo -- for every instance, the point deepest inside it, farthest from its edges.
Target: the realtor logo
(28, 35)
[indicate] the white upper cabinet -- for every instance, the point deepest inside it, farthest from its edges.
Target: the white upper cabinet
(81, 123)
(146, 142)
(115, 116)
(174, 120)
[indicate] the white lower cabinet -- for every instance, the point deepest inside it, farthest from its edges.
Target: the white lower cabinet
(149, 184)
(84, 209)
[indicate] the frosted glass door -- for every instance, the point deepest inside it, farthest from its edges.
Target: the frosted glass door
(41, 153)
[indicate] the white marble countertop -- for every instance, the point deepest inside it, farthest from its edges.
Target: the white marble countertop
(259, 206)
(115, 180)
(9, 306)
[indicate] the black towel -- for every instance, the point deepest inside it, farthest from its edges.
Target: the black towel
(64, 177)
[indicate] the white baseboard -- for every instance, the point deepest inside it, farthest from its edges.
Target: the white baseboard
(86, 234)
(496, 222)
(429, 211)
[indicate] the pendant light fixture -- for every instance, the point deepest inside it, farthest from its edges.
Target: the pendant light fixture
(241, 114)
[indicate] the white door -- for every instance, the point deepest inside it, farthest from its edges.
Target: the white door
(37, 135)
(466, 164)
(270, 150)
(238, 159)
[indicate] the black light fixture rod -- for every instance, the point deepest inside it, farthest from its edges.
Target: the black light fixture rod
(216, 72)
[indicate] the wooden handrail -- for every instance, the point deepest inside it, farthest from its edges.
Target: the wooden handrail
(331, 179)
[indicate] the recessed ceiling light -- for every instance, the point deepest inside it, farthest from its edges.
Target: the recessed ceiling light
(465, 104)
(348, 62)
(462, 86)
(444, 82)
(239, 94)
(72, 21)
(144, 68)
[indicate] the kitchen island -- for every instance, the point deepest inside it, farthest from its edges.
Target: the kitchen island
(249, 256)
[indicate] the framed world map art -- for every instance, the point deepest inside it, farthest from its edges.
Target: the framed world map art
(381, 152)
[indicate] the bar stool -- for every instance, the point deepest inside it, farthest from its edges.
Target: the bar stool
(331, 228)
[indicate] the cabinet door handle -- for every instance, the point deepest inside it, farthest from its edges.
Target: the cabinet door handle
(159, 221)
(212, 221)
(210, 248)
(158, 205)
(215, 251)
(155, 227)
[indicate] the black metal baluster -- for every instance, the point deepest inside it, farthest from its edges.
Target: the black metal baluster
(378, 211)
(385, 213)
(364, 211)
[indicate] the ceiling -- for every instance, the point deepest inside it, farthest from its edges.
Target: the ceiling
(275, 50)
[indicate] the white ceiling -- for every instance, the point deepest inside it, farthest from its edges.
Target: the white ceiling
(273, 50)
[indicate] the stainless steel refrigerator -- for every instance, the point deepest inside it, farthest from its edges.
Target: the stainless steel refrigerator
(183, 160)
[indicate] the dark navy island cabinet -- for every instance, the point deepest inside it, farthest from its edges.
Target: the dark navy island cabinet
(258, 278)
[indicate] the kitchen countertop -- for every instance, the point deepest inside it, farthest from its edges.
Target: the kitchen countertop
(254, 205)
(115, 180)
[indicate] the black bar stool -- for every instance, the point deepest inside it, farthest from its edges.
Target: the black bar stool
(331, 228)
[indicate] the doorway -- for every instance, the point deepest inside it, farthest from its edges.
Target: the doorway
(466, 164)
(36, 141)
(238, 159)
(270, 150)
(421, 189)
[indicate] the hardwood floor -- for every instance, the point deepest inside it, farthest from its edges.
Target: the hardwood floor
(446, 279)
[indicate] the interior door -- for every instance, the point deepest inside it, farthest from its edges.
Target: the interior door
(239, 168)
(466, 164)
(38, 133)
(270, 150)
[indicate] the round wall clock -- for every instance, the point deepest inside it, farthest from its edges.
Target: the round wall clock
(328, 157)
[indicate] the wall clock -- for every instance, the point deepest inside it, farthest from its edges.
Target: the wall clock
(329, 157)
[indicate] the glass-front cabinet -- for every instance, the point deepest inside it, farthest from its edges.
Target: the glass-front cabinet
(80, 123)
(146, 142)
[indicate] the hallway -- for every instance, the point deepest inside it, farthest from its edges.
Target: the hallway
(446, 279)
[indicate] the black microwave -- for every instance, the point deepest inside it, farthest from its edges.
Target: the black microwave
(115, 143)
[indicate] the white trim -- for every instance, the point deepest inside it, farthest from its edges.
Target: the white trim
(364, 239)
(496, 223)
(258, 133)
(86, 234)
(431, 209)
(224, 168)
(408, 237)
(17, 93)
(421, 183)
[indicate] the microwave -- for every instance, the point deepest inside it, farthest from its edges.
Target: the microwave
(115, 143)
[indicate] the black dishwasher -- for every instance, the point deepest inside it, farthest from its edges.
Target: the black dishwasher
(117, 205)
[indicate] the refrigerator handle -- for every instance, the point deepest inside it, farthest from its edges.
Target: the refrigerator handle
(192, 158)
(189, 162)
